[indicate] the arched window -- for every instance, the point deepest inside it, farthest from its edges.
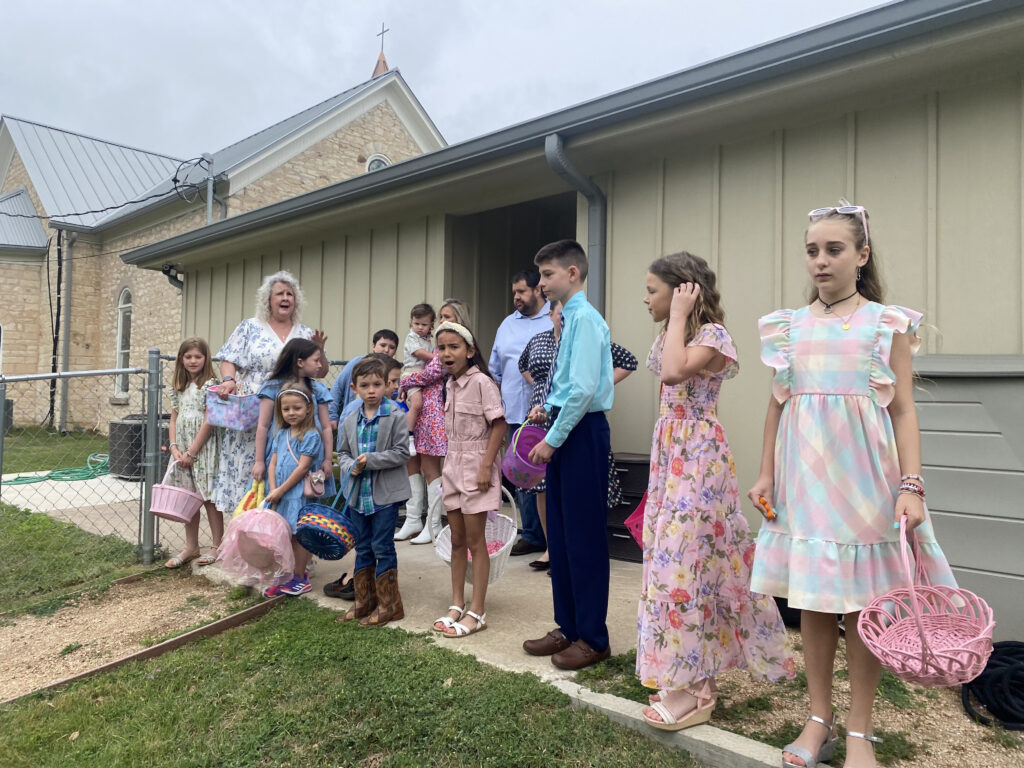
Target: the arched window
(124, 340)
(376, 162)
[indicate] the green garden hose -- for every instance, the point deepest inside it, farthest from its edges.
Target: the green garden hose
(97, 465)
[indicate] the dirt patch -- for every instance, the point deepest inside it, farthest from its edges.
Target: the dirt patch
(37, 650)
(932, 718)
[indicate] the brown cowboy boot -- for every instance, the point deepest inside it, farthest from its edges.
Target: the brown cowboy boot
(366, 595)
(389, 605)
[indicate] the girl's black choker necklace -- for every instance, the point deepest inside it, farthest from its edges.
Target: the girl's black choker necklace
(828, 307)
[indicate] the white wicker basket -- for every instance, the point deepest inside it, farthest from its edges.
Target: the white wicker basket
(502, 529)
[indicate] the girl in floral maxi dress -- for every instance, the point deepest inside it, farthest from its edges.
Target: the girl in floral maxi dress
(697, 616)
(194, 443)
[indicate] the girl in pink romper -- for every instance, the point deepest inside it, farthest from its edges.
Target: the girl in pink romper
(697, 616)
(475, 424)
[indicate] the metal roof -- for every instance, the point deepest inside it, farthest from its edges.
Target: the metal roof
(875, 29)
(16, 232)
(234, 155)
(72, 172)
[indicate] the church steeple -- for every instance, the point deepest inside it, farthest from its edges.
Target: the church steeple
(382, 63)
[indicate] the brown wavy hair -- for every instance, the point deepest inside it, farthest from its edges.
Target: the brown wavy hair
(181, 378)
(869, 284)
(683, 267)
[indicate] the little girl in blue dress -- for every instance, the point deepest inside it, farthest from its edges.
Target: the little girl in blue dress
(298, 448)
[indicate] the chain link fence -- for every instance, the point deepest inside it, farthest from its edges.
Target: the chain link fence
(83, 449)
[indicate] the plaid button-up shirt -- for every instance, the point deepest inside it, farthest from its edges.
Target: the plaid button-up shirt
(366, 442)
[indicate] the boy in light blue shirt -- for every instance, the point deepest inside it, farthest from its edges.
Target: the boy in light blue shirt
(576, 450)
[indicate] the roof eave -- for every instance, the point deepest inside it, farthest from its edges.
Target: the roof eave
(871, 30)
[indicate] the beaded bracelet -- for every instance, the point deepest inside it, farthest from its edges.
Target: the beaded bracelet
(912, 489)
(913, 477)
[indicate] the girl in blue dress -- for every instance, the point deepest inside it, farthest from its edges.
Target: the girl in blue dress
(298, 447)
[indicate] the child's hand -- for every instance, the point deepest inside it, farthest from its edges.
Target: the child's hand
(176, 454)
(186, 460)
(684, 299)
(359, 466)
(483, 478)
(273, 497)
(259, 469)
(763, 488)
(328, 468)
(911, 505)
(538, 415)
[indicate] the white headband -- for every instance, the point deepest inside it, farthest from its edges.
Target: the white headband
(462, 330)
(299, 392)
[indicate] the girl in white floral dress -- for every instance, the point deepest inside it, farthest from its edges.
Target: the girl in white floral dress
(194, 443)
(697, 616)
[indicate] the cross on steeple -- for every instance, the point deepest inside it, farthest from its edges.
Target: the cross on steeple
(381, 34)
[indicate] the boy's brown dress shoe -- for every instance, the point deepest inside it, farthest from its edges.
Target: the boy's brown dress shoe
(553, 642)
(579, 655)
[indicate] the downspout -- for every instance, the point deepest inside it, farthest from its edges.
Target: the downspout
(66, 341)
(597, 216)
(172, 276)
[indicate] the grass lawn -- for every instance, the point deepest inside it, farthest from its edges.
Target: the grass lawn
(44, 562)
(35, 449)
(297, 689)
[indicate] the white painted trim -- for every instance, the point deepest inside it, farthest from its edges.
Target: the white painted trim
(389, 90)
(28, 259)
(117, 340)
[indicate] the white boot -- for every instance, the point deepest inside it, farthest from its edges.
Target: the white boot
(433, 526)
(413, 509)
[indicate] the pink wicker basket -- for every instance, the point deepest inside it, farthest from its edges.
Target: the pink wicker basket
(176, 502)
(499, 528)
(936, 636)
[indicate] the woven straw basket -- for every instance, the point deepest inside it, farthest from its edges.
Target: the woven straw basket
(935, 636)
(502, 528)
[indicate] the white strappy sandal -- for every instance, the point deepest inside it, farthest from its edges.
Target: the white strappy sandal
(447, 621)
(461, 630)
(825, 751)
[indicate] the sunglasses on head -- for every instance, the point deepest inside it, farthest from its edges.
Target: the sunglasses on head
(849, 210)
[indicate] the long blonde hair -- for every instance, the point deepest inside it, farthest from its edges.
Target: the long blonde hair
(461, 309)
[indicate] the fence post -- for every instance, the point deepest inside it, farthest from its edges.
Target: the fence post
(152, 463)
(3, 422)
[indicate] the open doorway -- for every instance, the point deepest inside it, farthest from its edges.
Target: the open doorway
(485, 249)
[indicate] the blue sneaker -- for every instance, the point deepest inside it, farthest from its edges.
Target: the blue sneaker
(297, 586)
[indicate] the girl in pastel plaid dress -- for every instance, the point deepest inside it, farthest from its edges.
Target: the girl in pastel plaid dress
(841, 462)
(697, 615)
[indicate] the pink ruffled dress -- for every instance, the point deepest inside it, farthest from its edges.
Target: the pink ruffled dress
(832, 547)
(697, 615)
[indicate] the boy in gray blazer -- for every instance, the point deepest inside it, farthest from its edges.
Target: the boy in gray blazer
(373, 447)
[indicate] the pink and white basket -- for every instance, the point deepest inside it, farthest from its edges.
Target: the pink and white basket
(499, 528)
(936, 636)
(175, 502)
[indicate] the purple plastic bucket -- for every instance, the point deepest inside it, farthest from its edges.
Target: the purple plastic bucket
(516, 465)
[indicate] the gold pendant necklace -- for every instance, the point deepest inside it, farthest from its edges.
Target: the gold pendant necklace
(846, 320)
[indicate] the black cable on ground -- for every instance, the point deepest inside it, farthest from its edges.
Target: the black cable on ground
(999, 688)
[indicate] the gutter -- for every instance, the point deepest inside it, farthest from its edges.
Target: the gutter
(597, 216)
(885, 26)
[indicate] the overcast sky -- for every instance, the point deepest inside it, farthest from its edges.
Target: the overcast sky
(186, 77)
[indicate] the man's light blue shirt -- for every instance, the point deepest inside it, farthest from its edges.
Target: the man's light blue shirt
(513, 334)
(341, 392)
(583, 381)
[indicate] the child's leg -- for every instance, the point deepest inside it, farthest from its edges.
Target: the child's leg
(865, 672)
(389, 599)
(542, 515)
(301, 558)
(477, 543)
(216, 519)
(363, 570)
(457, 522)
(820, 635)
(415, 402)
(191, 550)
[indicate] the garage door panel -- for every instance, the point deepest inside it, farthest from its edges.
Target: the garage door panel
(1002, 593)
(955, 417)
(989, 545)
(976, 492)
(975, 451)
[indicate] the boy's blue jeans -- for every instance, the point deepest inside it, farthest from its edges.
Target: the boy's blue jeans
(375, 542)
